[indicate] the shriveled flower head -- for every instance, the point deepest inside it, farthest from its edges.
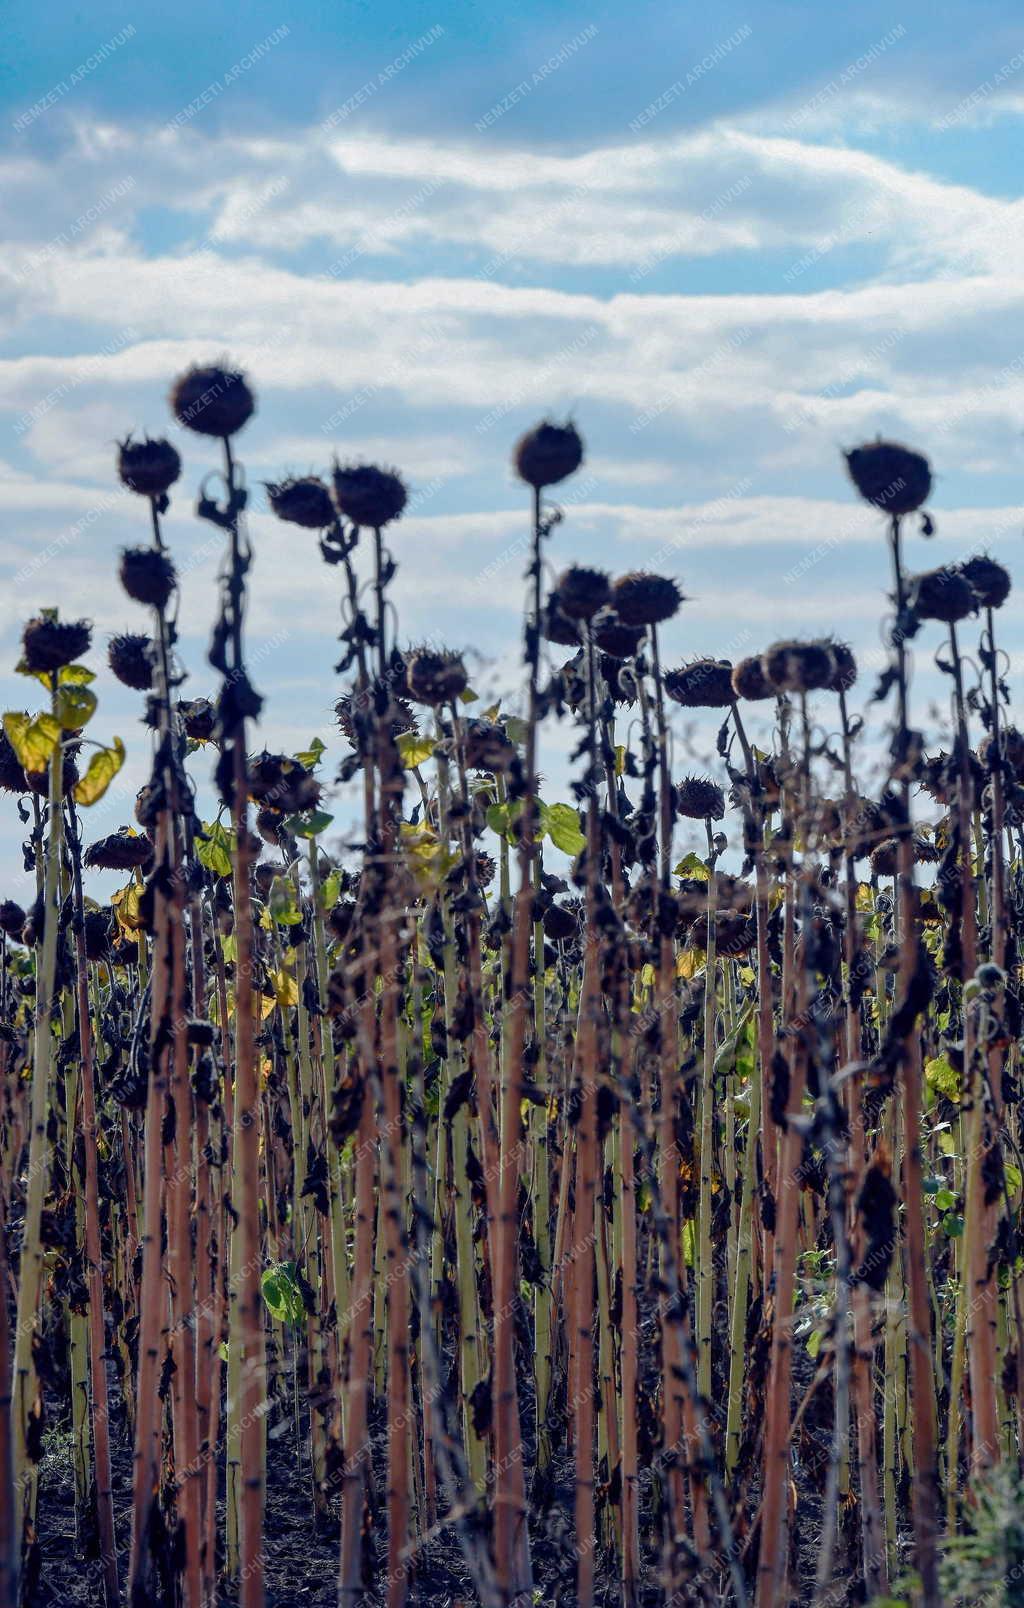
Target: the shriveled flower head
(560, 923)
(368, 496)
(989, 581)
(264, 875)
(865, 828)
(938, 775)
(96, 931)
(700, 799)
(148, 804)
(620, 679)
(402, 717)
(548, 453)
(749, 680)
(890, 476)
(557, 627)
(148, 576)
(213, 401)
(340, 918)
(642, 599)
(488, 747)
(942, 594)
(798, 666)
(581, 592)
(268, 824)
(614, 637)
(1010, 746)
(734, 893)
(149, 468)
(198, 717)
(281, 782)
(845, 673)
(304, 501)
(12, 918)
(735, 934)
(435, 676)
(38, 782)
(885, 857)
(50, 644)
(129, 656)
(486, 868)
(121, 851)
(703, 684)
(12, 776)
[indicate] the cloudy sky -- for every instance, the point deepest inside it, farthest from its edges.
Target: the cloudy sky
(728, 240)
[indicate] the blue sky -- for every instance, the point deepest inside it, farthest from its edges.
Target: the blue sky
(729, 240)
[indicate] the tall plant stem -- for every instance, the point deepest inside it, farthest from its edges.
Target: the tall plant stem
(93, 1253)
(245, 1177)
(511, 1537)
(27, 1404)
(925, 1485)
(872, 1543)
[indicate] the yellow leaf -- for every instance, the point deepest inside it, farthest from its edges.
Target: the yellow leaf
(74, 706)
(32, 740)
(689, 963)
(286, 989)
(102, 768)
(125, 904)
(415, 749)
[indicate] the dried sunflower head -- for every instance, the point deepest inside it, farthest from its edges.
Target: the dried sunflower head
(49, 644)
(548, 454)
(212, 400)
(304, 501)
(704, 684)
(641, 599)
(368, 496)
(890, 476)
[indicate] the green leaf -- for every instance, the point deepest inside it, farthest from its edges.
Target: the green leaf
(1013, 1177)
(725, 1055)
(282, 903)
(310, 757)
(33, 740)
(330, 891)
(689, 1243)
(282, 1295)
(75, 675)
(953, 1224)
(942, 1076)
(691, 865)
(515, 729)
(74, 706)
(102, 768)
(813, 1344)
(414, 748)
(215, 845)
(501, 818)
(561, 823)
(467, 696)
(309, 823)
(945, 1200)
